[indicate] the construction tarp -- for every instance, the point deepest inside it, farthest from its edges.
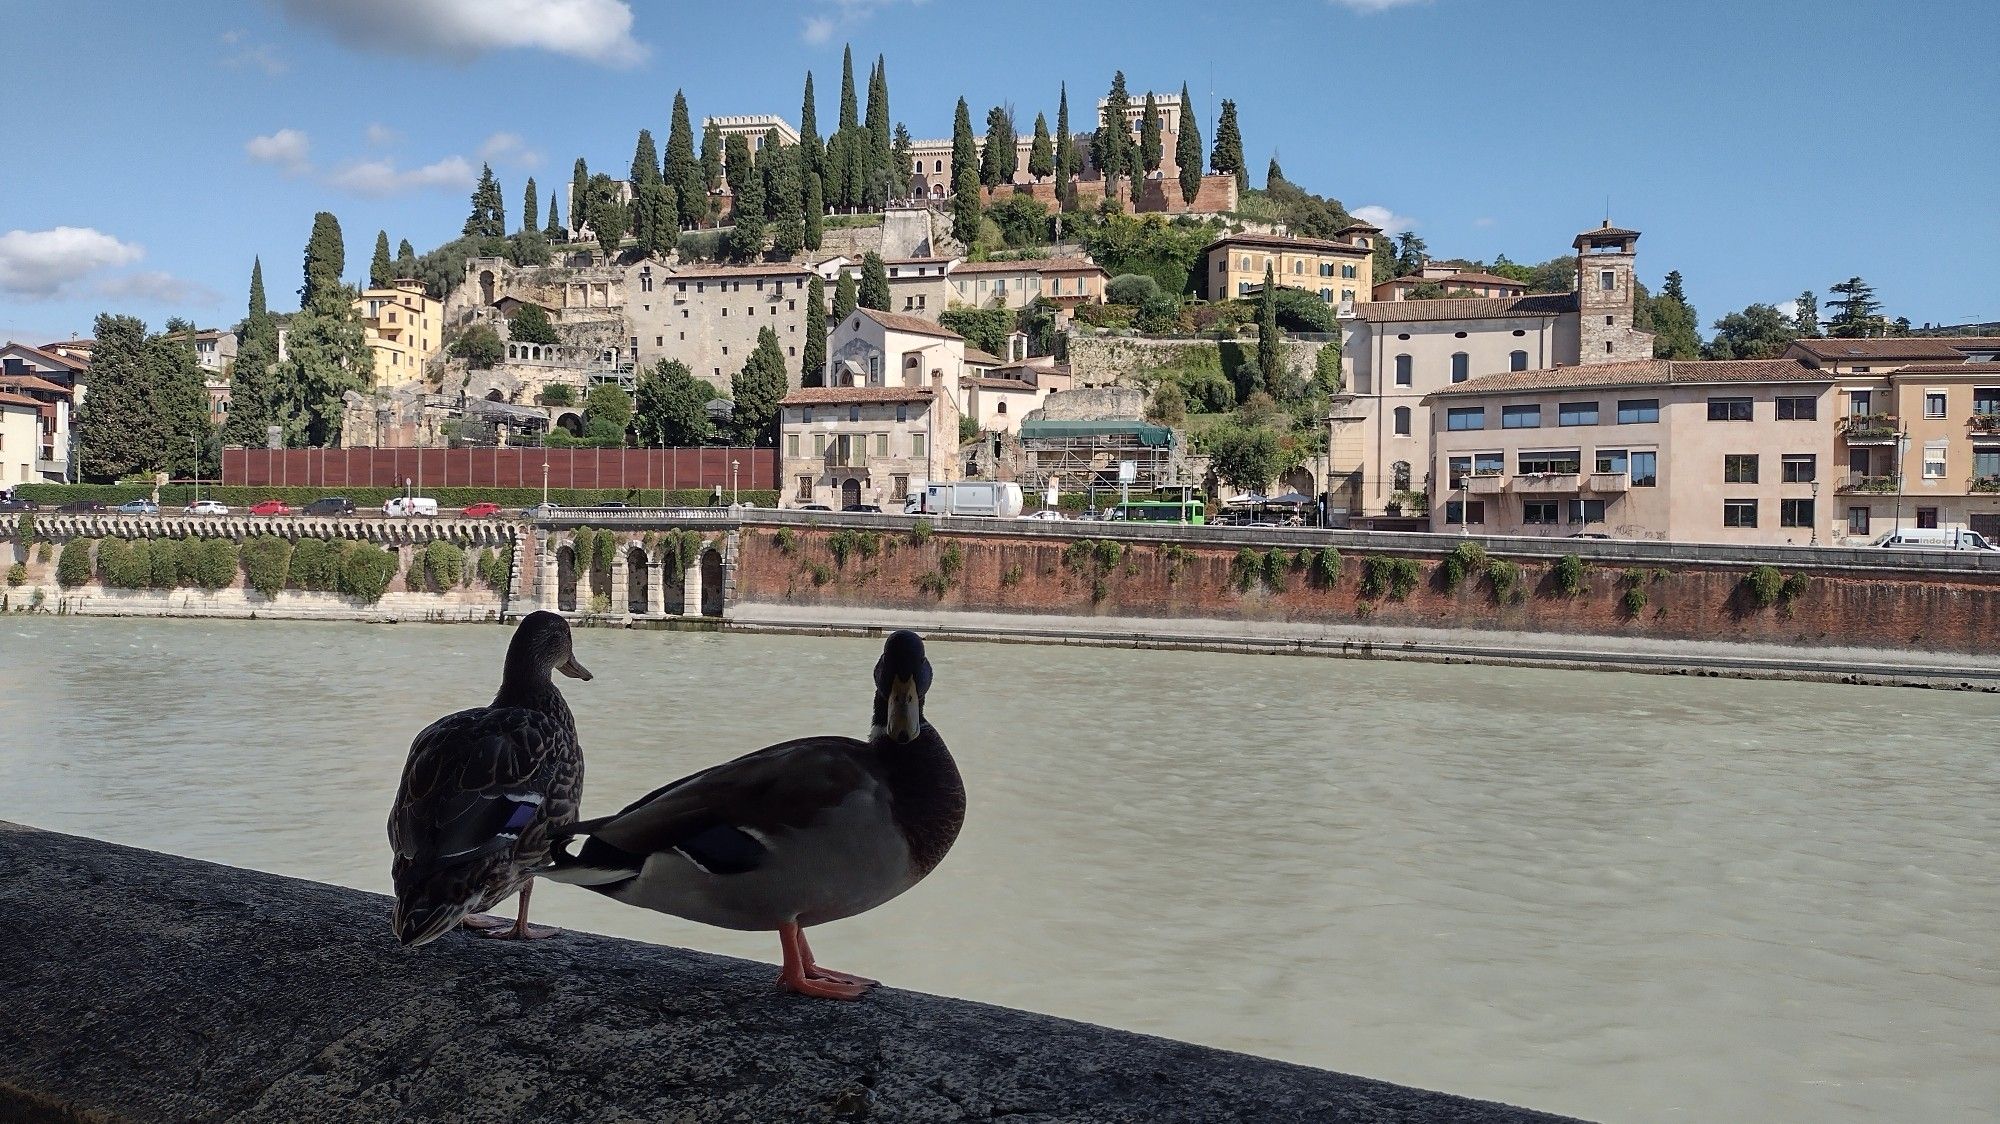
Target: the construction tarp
(1145, 433)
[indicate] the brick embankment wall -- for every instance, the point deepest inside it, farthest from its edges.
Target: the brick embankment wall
(1689, 601)
(145, 987)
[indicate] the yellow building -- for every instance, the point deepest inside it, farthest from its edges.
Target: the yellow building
(1340, 269)
(404, 328)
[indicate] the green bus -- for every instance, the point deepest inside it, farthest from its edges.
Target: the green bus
(1158, 511)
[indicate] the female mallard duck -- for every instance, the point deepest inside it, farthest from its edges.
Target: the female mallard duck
(483, 793)
(798, 834)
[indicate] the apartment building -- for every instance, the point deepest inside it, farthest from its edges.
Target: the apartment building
(1454, 280)
(1733, 451)
(20, 441)
(708, 316)
(403, 326)
(886, 420)
(53, 382)
(1340, 270)
(1017, 284)
(917, 286)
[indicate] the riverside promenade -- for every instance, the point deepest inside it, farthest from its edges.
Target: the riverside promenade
(144, 987)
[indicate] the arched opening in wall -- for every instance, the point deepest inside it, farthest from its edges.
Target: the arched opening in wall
(566, 578)
(636, 580)
(571, 424)
(494, 395)
(711, 582)
(486, 286)
(1299, 480)
(850, 493)
(913, 370)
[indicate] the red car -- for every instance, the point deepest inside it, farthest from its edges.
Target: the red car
(481, 510)
(270, 507)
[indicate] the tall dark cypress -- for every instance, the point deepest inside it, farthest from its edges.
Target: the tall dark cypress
(554, 230)
(812, 150)
(964, 177)
(683, 168)
(1187, 149)
(1150, 144)
(812, 357)
(645, 160)
(579, 195)
(529, 209)
(250, 376)
(876, 175)
(1228, 154)
(381, 269)
(326, 260)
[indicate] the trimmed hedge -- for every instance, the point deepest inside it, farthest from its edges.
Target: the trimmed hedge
(73, 568)
(178, 495)
(265, 561)
(366, 571)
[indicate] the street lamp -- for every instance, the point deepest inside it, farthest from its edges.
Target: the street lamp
(1815, 514)
(196, 442)
(545, 481)
(732, 481)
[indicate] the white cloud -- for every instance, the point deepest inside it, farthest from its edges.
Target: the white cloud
(510, 148)
(39, 263)
(287, 148)
(1372, 6)
(382, 177)
(839, 15)
(1388, 220)
(161, 288)
(1789, 308)
(249, 52)
(818, 29)
(379, 135)
(598, 31)
(1482, 222)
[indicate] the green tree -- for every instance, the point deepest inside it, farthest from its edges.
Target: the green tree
(406, 259)
(1674, 323)
(1065, 144)
(812, 150)
(579, 195)
(746, 208)
(326, 260)
(812, 357)
(874, 282)
(251, 389)
(683, 170)
(529, 209)
(1111, 144)
(1274, 176)
(608, 216)
(1411, 254)
(180, 403)
(998, 161)
(325, 357)
(480, 347)
(1858, 314)
(876, 167)
(902, 157)
(783, 201)
(814, 208)
(672, 407)
(965, 178)
(1758, 332)
(645, 160)
(607, 410)
(1244, 457)
(1168, 252)
(711, 158)
(1022, 219)
(73, 568)
(1805, 315)
(736, 167)
(842, 177)
(1187, 149)
(658, 219)
(1227, 156)
(532, 325)
(1270, 349)
(1151, 140)
(554, 231)
(116, 432)
(381, 269)
(645, 210)
(489, 212)
(1041, 151)
(756, 391)
(846, 297)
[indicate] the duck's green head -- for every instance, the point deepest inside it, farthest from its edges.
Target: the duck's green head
(542, 646)
(902, 679)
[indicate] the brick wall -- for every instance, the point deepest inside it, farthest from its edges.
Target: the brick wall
(499, 468)
(1162, 196)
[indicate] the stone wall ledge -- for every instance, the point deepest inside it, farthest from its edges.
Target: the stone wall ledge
(145, 987)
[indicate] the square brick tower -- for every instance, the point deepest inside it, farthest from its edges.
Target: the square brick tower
(1604, 296)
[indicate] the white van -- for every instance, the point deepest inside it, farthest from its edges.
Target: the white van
(1935, 538)
(966, 497)
(411, 505)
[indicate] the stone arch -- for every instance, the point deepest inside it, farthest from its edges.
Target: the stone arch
(711, 582)
(486, 286)
(1299, 480)
(572, 423)
(638, 592)
(913, 372)
(566, 578)
(494, 395)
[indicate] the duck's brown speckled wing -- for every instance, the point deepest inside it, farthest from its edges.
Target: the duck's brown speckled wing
(482, 782)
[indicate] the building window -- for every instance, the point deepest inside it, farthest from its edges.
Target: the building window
(1636, 411)
(1739, 513)
(1795, 513)
(1586, 511)
(1610, 461)
(1860, 403)
(1729, 409)
(1933, 403)
(881, 444)
(1517, 360)
(1403, 372)
(1798, 409)
(1577, 413)
(1986, 400)
(1645, 469)
(805, 492)
(1456, 469)
(1488, 464)
(1461, 366)
(1606, 280)
(1540, 513)
(1739, 468)
(1800, 468)
(1458, 512)
(1986, 462)
(1402, 421)
(792, 445)
(1001, 407)
(918, 447)
(819, 444)
(1857, 520)
(854, 413)
(1465, 417)
(1927, 518)
(1399, 476)
(1559, 462)
(899, 486)
(1934, 460)
(1347, 271)
(1347, 294)
(1520, 417)
(902, 412)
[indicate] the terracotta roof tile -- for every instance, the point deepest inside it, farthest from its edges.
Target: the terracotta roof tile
(1894, 347)
(766, 269)
(915, 325)
(17, 400)
(1031, 265)
(1015, 386)
(1638, 372)
(1285, 242)
(1466, 308)
(31, 382)
(48, 356)
(854, 395)
(983, 358)
(1982, 369)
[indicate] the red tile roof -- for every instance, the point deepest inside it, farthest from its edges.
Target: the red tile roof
(766, 269)
(1285, 242)
(48, 356)
(854, 395)
(1988, 370)
(915, 325)
(1467, 308)
(1894, 347)
(1031, 265)
(17, 400)
(31, 382)
(983, 358)
(1639, 372)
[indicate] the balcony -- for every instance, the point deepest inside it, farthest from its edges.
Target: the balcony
(1855, 482)
(1486, 484)
(1983, 484)
(1869, 429)
(1988, 423)
(1608, 483)
(1546, 483)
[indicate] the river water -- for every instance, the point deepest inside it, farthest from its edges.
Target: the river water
(1626, 897)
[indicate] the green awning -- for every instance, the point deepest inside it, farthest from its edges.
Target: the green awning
(1146, 433)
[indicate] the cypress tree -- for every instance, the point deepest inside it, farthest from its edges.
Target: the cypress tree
(736, 167)
(496, 210)
(645, 160)
(489, 214)
(1228, 154)
(756, 390)
(964, 178)
(1805, 311)
(683, 170)
(1111, 144)
(812, 357)
(711, 158)
(874, 282)
(1041, 154)
(554, 230)
(326, 260)
(845, 297)
(381, 270)
(179, 403)
(850, 116)
(843, 177)
(875, 173)
(1150, 141)
(406, 259)
(645, 173)
(259, 310)
(579, 195)
(1270, 358)
(116, 430)
(812, 150)
(1187, 149)
(250, 391)
(998, 161)
(671, 407)
(746, 240)
(529, 207)
(1065, 144)
(1273, 174)
(656, 219)
(814, 212)
(782, 200)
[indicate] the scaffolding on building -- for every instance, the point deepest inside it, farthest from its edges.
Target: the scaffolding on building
(1086, 453)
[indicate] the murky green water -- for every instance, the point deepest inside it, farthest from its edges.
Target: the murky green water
(1627, 897)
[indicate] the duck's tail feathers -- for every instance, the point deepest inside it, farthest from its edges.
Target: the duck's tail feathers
(599, 864)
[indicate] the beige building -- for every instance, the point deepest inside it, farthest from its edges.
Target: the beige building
(997, 398)
(708, 316)
(404, 327)
(55, 383)
(20, 440)
(1455, 282)
(1732, 451)
(1016, 284)
(873, 349)
(917, 286)
(1340, 269)
(851, 445)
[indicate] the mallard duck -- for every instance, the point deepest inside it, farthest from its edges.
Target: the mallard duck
(794, 835)
(483, 792)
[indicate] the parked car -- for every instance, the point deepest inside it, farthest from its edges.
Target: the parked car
(11, 504)
(138, 507)
(1590, 535)
(814, 507)
(329, 507)
(402, 506)
(612, 503)
(271, 507)
(81, 507)
(540, 510)
(481, 511)
(1046, 515)
(864, 508)
(205, 507)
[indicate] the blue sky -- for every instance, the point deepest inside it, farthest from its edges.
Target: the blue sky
(1763, 148)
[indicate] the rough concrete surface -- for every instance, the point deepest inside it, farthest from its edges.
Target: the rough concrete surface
(145, 987)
